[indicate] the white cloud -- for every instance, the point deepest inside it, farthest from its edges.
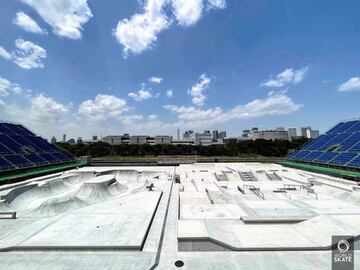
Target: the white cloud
(195, 114)
(46, 110)
(142, 94)
(6, 87)
(66, 17)
(4, 54)
(2, 105)
(152, 117)
(273, 104)
(102, 108)
(352, 84)
(187, 12)
(169, 93)
(140, 31)
(28, 55)
(217, 4)
(155, 79)
(27, 23)
(131, 119)
(287, 76)
(198, 89)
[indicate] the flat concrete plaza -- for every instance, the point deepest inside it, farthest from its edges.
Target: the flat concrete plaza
(193, 216)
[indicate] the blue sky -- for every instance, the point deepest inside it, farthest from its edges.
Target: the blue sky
(149, 67)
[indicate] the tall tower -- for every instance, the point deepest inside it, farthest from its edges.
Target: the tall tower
(178, 134)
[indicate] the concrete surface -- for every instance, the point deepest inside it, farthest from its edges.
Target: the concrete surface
(221, 216)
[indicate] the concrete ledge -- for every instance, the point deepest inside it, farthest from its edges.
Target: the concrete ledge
(258, 219)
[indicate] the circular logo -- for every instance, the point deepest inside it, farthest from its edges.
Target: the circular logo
(343, 246)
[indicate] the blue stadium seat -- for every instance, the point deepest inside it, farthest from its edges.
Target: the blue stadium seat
(355, 162)
(346, 126)
(4, 129)
(19, 161)
(49, 157)
(311, 142)
(326, 157)
(355, 148)
(6, 165)
(21, 148)
(36, 159)
(349, 142)
(355, 127)
(334, 129)
(335, 141)
(322, 141)
(343, 158)
(313, 155)
(4, 149)
(10, 143)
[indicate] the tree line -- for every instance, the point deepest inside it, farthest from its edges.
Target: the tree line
(269, 148)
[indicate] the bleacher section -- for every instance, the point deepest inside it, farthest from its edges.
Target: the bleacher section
(338, 147)
(21, 149)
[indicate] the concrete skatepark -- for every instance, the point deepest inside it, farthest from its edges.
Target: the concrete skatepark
(206, 216)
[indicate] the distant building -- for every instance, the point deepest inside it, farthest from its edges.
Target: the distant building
(246, 133)
(222, 135)
(79, 140)
(215, 135)
(178, 134)
(280, 129)
(64, 138)
(53, 140)
(142, 139)
(162, 139)
(254, 130)
(271, 135)
(303, 131)
(312, 134)
(95, 138)
(187, 136)
(292, 133)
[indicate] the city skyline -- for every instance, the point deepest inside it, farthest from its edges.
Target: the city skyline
(155, 66)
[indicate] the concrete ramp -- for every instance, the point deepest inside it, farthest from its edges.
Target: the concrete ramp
(96, 189)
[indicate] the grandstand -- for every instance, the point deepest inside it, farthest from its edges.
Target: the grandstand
(338, 148)
(21, 149)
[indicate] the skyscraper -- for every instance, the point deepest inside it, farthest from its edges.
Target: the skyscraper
(292, 133)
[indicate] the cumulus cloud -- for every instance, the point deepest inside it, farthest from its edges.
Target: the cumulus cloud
(142, 94)
(352, 84)
(131, 119)
(45, 109)
(169, 93)
(140, 32)
(273, 104)
(198, 89)
(4, 54)
(287, 76)
(102, 108)
(66, 17)
(27, 23)
(187, 12)
(217, 4)
(7, 87)
(155, 79)
(28, 55)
